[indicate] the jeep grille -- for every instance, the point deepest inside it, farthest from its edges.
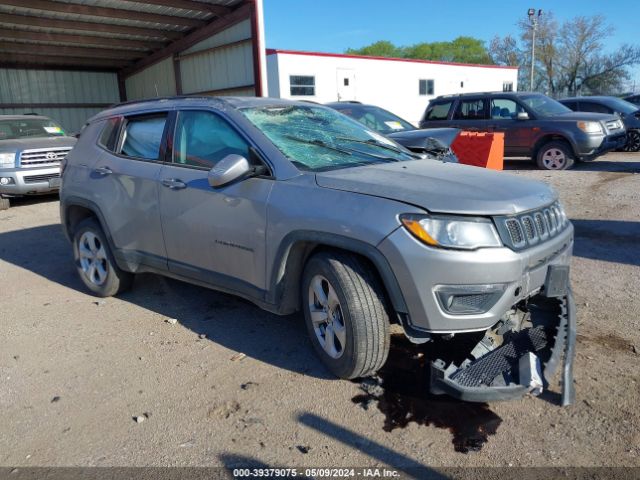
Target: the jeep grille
(525, 230)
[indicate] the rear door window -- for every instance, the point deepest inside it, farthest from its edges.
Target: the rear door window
(438, 111)
(142, 136)
(473, 109)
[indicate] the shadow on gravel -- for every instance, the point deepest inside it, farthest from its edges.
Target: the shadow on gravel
(42, 250)
(369, 447)
(607, 240)
(34, 200)
(224, 319)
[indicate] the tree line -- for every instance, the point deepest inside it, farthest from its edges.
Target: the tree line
(570, 55)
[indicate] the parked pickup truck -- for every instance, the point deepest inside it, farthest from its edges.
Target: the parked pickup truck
(31, 149)
(297, 207)
(534, 125)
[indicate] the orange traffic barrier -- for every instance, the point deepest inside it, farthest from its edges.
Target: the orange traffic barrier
(481, 149)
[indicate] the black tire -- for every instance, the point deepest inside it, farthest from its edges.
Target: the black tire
(633, 141)
(556, 149)
(116, 280)
(4, 203)
(363, 313)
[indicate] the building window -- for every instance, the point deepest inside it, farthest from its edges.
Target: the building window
(507, 86)
(426, 87)
(302, 85)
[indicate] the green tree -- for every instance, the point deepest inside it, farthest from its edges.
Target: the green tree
(382, 48)
(461, 49)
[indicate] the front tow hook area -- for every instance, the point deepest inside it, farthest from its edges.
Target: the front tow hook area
(524, 363)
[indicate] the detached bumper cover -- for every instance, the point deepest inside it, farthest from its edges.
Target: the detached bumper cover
(459, 383)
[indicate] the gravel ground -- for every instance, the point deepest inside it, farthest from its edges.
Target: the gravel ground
(92, 382)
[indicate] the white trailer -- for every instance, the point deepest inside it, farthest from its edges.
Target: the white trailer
(403, 86)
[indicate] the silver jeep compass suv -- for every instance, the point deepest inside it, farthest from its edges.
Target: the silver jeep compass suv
(295, 207)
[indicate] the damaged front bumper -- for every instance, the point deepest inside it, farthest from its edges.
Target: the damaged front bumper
(524, 363)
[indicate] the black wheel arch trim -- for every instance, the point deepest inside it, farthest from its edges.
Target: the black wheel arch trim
(548, 137)
(72, 201)
(293, 252)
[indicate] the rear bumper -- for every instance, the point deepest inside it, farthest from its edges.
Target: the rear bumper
(444, 380)
(30, 181)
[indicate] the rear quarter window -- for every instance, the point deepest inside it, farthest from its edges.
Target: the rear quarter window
(109, 136)
(438, 111)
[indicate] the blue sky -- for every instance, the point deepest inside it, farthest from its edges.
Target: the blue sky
(335, 25)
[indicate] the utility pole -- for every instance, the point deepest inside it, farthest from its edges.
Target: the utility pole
(533, 19)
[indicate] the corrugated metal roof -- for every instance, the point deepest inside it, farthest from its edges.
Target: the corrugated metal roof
(69, 32)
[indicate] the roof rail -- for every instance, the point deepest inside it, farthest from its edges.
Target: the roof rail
(156, 99)
(469, 94)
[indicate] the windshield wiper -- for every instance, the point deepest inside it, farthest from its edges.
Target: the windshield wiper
(371, 141)
(346, 151)
(318, 143)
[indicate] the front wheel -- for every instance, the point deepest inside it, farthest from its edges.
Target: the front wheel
(555, 155)
(633, 141)
(4, 203)
(345, 313)
(95, 263)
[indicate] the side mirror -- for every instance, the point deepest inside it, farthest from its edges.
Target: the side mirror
(522, 116)
(231, 168)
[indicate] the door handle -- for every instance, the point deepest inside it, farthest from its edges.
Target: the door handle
(103, 171)
(174, 183)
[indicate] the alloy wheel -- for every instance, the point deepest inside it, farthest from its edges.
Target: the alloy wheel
(327, 317)
(633, 141)
(554, 159)
(93, 258)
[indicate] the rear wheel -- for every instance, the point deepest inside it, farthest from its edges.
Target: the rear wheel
(633, 141)
(555, 155)
(95, 263)
(4, 204)
(345, 313)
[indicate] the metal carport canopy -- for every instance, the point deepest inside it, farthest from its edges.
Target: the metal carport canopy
(122, 36)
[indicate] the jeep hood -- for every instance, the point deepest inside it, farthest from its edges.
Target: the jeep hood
(27, 143)
(442, 187)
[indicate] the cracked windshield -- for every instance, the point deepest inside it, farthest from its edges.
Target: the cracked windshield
(318, 139)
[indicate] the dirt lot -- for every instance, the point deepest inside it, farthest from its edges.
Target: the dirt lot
(75, 370)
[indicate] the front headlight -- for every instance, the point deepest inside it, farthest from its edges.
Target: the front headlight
(464, 233)
(7, 160)
(590, 127)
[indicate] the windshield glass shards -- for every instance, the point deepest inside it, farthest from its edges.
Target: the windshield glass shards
(321, 139)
